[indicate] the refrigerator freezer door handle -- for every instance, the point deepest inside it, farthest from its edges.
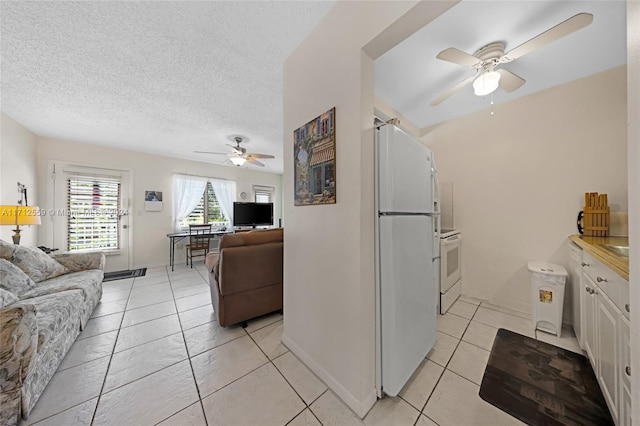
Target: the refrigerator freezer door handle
(407, 214)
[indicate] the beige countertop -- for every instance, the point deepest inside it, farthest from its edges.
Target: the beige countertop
(594, 245)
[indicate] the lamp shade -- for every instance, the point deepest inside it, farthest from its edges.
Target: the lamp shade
(238, 161)
(486, 83)
(19, 215)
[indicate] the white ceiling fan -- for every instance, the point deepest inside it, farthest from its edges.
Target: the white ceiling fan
(239, 156)
(487, 61)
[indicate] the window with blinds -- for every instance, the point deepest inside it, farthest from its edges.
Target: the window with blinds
(93, 212)
(208, 208)
(263, 194)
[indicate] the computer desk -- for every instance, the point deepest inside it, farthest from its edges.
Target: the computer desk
(176, 236)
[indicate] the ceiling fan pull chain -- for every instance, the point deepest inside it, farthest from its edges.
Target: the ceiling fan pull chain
(492, 104)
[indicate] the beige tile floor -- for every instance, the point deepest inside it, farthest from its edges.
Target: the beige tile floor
(153, 353)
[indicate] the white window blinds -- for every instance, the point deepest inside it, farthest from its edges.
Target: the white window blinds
(264, 194)
(93, 213)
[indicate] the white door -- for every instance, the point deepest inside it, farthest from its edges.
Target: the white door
(407, 292)
(404, 172)
(91, 212)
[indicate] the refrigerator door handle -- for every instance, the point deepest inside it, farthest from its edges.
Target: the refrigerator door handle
(407, 214)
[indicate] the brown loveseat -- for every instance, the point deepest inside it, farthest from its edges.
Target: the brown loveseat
(246, 275)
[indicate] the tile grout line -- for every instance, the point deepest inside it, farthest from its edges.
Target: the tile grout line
(104, 380)
(446, 366)
(281, 374)
(193, 373)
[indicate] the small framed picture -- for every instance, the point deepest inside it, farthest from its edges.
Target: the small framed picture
(153, 201)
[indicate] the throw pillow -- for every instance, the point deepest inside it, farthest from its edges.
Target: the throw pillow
(38, 265)
(13, 279)
(6, 249)
(7, 298)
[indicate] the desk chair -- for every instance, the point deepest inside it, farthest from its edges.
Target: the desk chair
(199, 238)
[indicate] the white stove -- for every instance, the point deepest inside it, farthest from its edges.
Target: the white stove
(450, 268)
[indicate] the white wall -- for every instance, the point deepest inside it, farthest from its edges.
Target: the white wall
(329, 270)
(150, 173)
(633, 112)
(519, 178)
(17, 164)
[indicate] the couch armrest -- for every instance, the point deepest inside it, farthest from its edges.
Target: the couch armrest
(18, 344)
(76, 262)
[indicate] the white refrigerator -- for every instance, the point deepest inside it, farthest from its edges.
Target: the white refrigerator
(406, 256)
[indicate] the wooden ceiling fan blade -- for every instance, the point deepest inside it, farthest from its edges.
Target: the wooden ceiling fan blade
(210, 152)
(563, 29)
(453, 90)
(254, 161)
(259, 156)
(459, 57)
(509, 81)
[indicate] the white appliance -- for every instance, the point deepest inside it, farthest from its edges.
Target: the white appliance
(406, 257)
(450, 268)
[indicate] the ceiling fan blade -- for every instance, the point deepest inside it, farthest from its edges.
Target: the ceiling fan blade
(254, 161)
(458, 57)
(236, 149)
(453, 90)
(565, 28)
(209, 152)
(509, 81)
(259, 156)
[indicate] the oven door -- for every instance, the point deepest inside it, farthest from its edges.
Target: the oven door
(450, 261)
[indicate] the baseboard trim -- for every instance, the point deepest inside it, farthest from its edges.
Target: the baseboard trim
(360, 408)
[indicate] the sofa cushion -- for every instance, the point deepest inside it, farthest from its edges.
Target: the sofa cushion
(34, 262)
(53, 311)
(7, 298)
(88, 282)
(231, 240)
(263, 236)
(13, 279)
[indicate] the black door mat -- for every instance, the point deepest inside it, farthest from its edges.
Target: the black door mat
(541, 384)
(120, 275)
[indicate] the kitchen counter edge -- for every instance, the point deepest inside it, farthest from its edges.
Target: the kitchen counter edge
(618, 264)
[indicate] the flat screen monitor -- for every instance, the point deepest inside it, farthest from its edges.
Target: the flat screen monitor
(252, 214)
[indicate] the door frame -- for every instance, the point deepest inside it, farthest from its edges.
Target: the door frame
(53, 171)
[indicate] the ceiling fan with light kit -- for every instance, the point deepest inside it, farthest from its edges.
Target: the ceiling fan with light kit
(239, 155)
(488, 60)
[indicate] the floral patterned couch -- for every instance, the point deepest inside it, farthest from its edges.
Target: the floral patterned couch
(45, 301)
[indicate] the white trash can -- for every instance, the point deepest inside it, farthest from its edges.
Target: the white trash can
(547, 292)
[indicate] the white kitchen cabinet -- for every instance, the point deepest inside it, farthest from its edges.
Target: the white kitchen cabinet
(588, 319)
(607, 359)
(605, 333)
(625, 372)
(576, 289)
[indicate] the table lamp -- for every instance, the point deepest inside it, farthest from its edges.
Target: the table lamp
(19, 215)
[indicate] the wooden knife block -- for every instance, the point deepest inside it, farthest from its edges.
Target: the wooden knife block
(596, 219)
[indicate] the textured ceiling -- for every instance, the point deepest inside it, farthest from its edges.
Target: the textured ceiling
(159, 77)
(409, 76)
(173, 77)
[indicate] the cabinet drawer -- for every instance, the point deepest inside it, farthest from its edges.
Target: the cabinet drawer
(590, 265)
(613, 285)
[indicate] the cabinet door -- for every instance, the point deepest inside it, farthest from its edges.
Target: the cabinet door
(625, 407)
(607, 353)
(624, 371)
(588, 319)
